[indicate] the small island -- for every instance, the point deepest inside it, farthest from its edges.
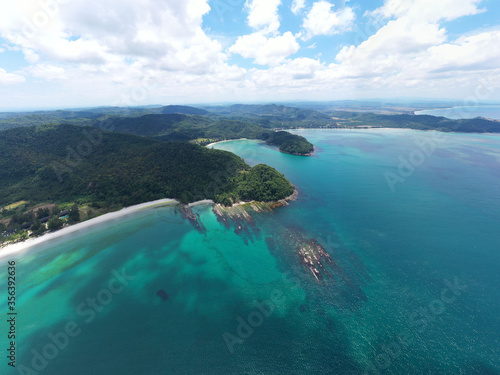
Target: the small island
(290, 143)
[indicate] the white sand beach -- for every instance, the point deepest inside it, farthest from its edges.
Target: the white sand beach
(19, 247)
(205, 201)
(227, 140)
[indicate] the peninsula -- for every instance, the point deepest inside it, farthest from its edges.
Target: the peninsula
(58, 173)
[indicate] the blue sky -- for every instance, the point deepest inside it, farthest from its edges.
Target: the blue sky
(74, 53)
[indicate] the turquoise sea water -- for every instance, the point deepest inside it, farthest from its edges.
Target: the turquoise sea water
(455, 113)
(412, 286)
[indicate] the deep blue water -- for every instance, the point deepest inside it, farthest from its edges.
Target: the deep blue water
(411, 286)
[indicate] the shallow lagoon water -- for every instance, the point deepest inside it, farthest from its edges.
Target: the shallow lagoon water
(415, 270)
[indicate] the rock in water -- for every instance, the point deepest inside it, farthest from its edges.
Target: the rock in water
(162, 294)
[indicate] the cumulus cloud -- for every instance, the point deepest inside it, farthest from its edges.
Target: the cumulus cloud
(100, 33)
(404, 40)
(105, 47)
(263, 15)
(163, 51)
(322, 19)
(48, 72)
(427, 10)
(266, 51)
(289, 74)
(10, 78)
(470, 53)
(298, 5)
(266, 46)
(412, 51)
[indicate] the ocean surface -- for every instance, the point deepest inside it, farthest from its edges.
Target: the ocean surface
(464, 112)
(402, 226)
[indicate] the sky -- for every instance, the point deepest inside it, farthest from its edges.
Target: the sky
(76, 53)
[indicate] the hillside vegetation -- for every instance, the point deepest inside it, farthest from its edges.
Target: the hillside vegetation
(201, 130)
(193, 121)
(67, 163)
(419, 122)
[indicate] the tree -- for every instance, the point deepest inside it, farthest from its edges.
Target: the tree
(2, 227)
(42, 212)
(55, 210)
(36, 226)
(74, 214)
(55, 223)
(15, 219)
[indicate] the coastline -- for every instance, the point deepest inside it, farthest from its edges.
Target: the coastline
(19, 247)
(229, 140)
(259, 140)
(284, 201)
(205, 201)
(396, 129)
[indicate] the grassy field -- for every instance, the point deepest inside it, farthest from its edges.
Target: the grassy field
(15, 205)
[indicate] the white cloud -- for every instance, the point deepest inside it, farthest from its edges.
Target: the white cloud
(264, 50)
(410, 37)
(10, 78)
(266, 46)
(471, 53)
(289, 74)
(148, 51)
(323, 20)
(139, 52)
(298, 5)
(48, 72)
(427, 10)
(94, 32)
(410, 55)
(400, 36)
(263, 15)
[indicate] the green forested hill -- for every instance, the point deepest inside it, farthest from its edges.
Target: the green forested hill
(66, 163)
(183, 109)
(89, 116)
(173, 126)
(186, 122)
(420, 122)
(183, 128)
(290, 143)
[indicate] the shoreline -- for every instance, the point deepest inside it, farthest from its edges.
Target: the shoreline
(229, 140)
(15, 248)
(421, 112)
(292, 197)
(384, 128)
(24, 246)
